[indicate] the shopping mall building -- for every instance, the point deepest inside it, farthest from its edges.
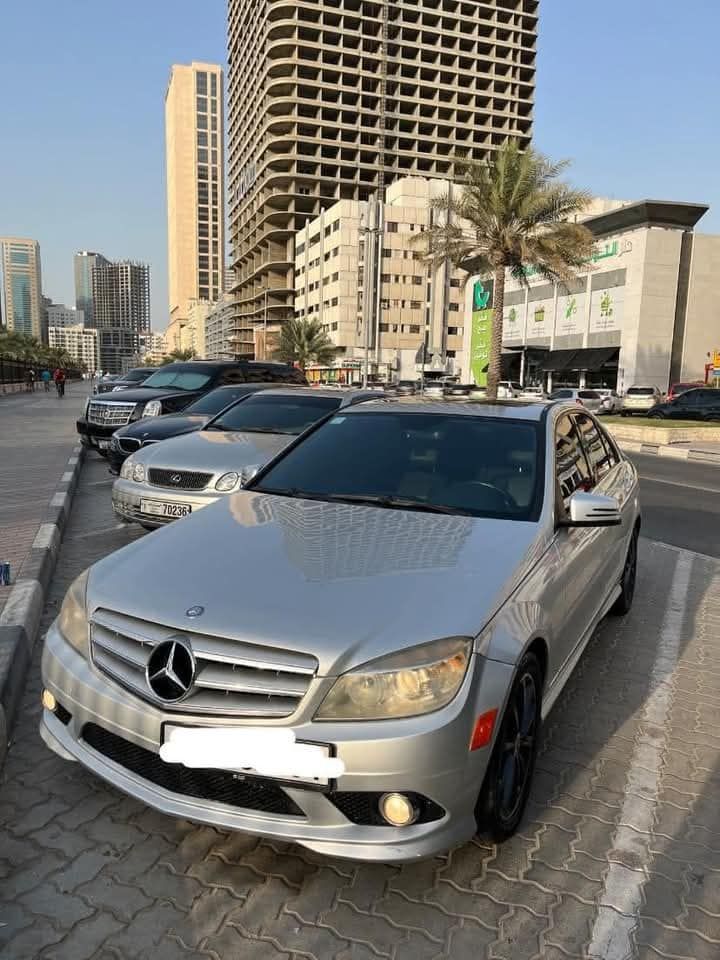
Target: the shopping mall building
(645, 311)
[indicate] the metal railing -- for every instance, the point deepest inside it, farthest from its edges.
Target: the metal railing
(14, 374)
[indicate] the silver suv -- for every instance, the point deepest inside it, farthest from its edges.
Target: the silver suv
(355, 654)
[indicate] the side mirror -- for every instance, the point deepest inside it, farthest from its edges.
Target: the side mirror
(592, 510)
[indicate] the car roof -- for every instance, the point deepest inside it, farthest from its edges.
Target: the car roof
(497, 409)
(346, 394)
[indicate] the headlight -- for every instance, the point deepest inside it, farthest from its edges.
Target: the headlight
(126, 470)
(73, 621)
(138, 473)
(406, 684)
(153, 408)
(227, 482)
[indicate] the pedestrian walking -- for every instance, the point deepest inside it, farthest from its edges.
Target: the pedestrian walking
(30, 380)
(46, 377)
(59, 378)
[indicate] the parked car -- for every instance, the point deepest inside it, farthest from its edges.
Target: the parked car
(590, 399)
(679, 388)
(698, 404)
(640, 399)
(356, 653)
(149, 430)
(133, 378)
(171, 389)
(508, 389)
(407, 388)
(434, 390)
(532, 393)
(180, 476)
(611, 400)
(458, 391)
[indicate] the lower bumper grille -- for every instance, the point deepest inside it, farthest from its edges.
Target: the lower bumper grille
(129, 444)
(219, 786)
(179, 479)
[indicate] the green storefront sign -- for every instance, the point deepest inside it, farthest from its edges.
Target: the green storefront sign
(481, 330)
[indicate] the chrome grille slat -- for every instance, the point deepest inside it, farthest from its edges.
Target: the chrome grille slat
(186, 479)
(109, 413)
(232, 677)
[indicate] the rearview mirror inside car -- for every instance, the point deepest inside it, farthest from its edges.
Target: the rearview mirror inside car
(592, 510)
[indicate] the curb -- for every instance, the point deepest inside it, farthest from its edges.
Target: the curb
(674, 453)
(21, 616)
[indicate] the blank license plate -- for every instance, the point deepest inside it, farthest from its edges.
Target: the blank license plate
(103, 444)
(158, 508)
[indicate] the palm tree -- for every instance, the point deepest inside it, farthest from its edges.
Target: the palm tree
(304, 342)
(512, 212)
(178, 355)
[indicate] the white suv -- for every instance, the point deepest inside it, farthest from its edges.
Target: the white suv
(640, 399)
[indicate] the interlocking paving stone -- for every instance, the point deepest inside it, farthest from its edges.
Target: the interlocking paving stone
(87, 872)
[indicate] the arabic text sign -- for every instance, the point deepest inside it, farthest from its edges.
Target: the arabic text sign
(570, 316)
(606, 309)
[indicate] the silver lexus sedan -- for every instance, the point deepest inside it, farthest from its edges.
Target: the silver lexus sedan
(167, 480)
(357, 652)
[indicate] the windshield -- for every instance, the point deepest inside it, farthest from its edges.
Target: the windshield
(640, 392)
(442, 463)
(215, 401)
(275, 414)
(183, 379)
(136, 376)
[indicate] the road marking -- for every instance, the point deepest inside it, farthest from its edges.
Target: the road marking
(678, 483)
(621, 897)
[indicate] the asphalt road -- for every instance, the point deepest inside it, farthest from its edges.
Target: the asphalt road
(680, 502)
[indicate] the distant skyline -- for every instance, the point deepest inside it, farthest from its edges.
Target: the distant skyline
(626, 90)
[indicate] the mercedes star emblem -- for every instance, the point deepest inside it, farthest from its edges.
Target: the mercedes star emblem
(170, 671)
(175, 478)
(196, 611)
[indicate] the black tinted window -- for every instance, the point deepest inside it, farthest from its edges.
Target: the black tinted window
(462, 464)
(595, 449)
(137, 376)
(571, 467)
(561, 394)
(263, 413)
(274, 373)
(179, 378)
(215, 401)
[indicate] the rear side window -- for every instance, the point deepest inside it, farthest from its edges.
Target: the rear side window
(274, 373)
(571, 467)
(233, 375)
(561, 394)
(589, 395)
(640, 392)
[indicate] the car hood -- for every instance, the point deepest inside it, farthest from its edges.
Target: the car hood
(160, 428)
(213, 450)
(345, 583)
(144, 394)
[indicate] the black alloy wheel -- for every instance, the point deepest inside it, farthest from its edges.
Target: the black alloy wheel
(509, 774)
(624, 602)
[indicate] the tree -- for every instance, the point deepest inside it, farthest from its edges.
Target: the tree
(304, 342)
(178, 355)
(510, 213)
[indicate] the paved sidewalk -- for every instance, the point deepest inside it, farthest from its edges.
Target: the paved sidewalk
(37, 436)
(618, 856)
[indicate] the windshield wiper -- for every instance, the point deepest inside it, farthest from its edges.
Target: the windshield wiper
(390, 502)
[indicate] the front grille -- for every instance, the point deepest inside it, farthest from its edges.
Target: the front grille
(220, 786)
(128, 444)
(364, 808)
(231, 677)
(179, 479)
(109, 413)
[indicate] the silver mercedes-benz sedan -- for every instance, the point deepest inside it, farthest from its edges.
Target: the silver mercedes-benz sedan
(357, 652)
(167, 480)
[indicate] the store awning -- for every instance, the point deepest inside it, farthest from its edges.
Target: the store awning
(592, 358)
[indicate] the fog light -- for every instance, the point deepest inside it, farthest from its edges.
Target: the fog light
(397, 810)
(49, 701)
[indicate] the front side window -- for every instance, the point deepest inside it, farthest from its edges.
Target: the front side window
(596, 451)
(439, 463)
(571, 467)
(264, 413)
(215, 401)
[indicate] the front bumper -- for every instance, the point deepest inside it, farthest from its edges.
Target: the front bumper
(94, 436)
(424, 755)
(127, 496)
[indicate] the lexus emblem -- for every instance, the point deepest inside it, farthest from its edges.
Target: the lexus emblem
(175, 478)
(170, 671)
(196, 611)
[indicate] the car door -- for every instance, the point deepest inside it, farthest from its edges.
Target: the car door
(711, 405)
(684, 407)
(575, 599)
(610, 478)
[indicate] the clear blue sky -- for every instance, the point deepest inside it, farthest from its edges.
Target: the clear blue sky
(627, 89)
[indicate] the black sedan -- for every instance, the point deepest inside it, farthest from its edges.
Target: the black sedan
(149, 430)
(133, 378)
(700, 404)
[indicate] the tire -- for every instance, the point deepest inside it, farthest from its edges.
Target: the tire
(624, 413)
(624, 602)
(503, 796)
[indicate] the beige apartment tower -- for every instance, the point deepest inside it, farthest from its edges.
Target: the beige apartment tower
(195, 186)
(334, 100)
